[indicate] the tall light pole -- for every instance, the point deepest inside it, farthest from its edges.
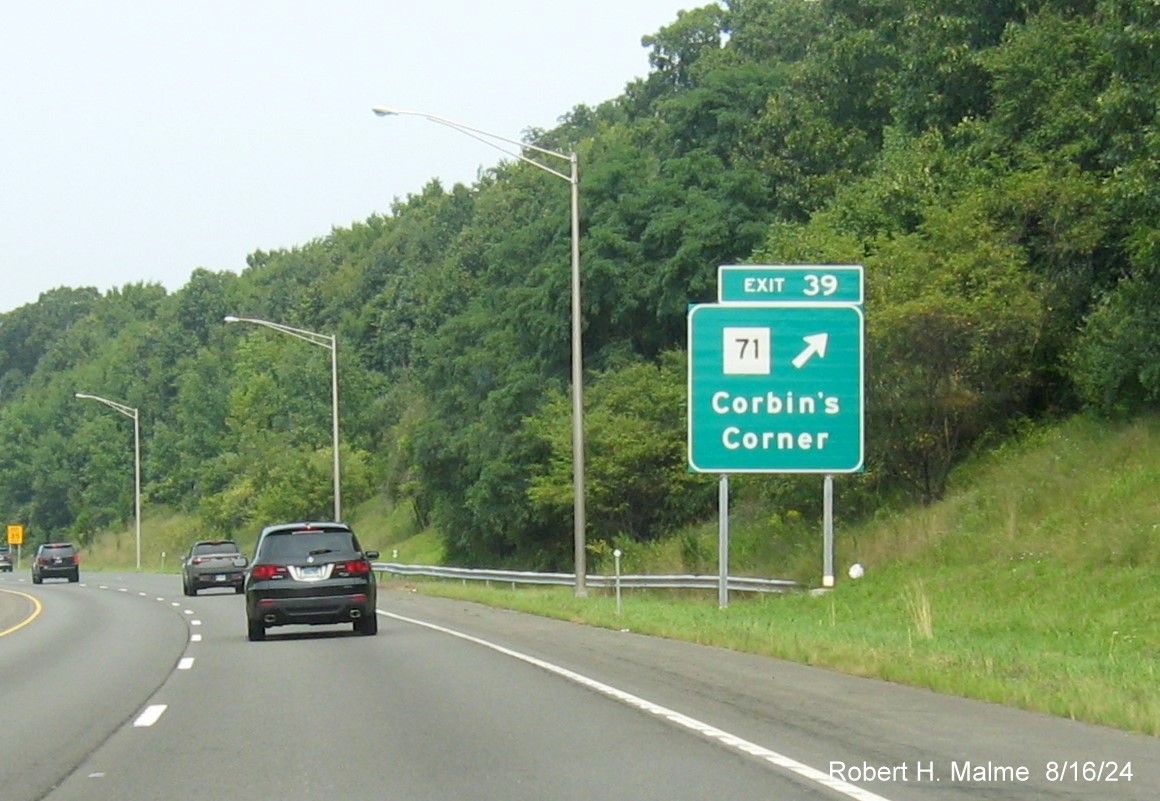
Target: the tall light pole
(330, 343)
(129, 411)
(579, 526)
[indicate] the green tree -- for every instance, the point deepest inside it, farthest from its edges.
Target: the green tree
(952, 321)
(638, 483)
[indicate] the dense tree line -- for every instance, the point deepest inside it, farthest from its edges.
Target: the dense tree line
(992, 163)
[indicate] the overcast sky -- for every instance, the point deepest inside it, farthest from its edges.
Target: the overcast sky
(142, 139)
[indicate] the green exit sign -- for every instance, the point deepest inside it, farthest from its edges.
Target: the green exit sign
(790, 283)
(775, 388)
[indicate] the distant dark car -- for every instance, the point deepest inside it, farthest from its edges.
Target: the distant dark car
(213, 563)
(313, 574)
(56, 560)
(5, 561)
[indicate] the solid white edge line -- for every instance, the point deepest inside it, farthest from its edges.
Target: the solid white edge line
(692, 724)
(150, 716)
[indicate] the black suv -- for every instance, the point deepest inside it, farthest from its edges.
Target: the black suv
(56, 560)
(313, 574)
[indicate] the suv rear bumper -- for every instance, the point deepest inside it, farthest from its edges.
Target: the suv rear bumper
(70, 572)
(228, 578)
(309, 610)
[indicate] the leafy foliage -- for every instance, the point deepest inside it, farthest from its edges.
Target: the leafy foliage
(993, 165)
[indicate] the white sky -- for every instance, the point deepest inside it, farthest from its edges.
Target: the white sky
(142, 139)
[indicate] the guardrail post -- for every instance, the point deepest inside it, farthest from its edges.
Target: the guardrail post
(616, 558)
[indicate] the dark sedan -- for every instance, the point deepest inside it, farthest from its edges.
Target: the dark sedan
(312, 574)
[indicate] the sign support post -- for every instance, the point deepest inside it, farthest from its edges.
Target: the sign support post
(828, 532)
(723, 541)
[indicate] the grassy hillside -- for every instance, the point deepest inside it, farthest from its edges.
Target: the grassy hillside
(1035, 583)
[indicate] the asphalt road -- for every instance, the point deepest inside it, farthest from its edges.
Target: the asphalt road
(121, 688)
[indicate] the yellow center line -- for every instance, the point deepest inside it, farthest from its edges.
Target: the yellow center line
(36, 607)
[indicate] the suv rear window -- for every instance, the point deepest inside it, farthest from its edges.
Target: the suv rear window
(58, 550)
(215, 547)
(298, 544)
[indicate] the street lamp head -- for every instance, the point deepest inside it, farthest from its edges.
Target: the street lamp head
(229, 318)
(384, 111)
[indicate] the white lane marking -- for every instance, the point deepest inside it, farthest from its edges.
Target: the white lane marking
(175, 603)
(195, 622)
(195, 638)
(150, 716)
(704, 729)
(122, 589)
(189, 611)
(186, 663)
(159, 598)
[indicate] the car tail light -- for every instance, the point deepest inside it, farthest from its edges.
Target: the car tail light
(263, 572)
(356, 568)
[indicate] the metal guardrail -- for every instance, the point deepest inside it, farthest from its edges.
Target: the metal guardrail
(671, 581)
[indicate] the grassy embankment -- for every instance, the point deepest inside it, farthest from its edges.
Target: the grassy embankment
(1035, 583)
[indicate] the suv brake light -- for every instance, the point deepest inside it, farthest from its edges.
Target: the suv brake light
(263, 572)
(357, 568)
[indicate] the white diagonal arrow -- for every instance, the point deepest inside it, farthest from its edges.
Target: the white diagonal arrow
(815, 344)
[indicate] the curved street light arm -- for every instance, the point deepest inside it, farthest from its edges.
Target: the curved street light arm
(128, 411)
(485, 137)
(325, 340)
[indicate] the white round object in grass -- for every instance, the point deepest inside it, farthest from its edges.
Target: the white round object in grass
(857, 571)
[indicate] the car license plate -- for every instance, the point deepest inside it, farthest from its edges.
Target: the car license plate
(313, 571)
(219, 577)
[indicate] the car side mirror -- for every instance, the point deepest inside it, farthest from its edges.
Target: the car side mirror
(371, 554)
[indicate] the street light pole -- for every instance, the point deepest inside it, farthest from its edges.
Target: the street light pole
(129, 411)
(579, 523)
(329, 342)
